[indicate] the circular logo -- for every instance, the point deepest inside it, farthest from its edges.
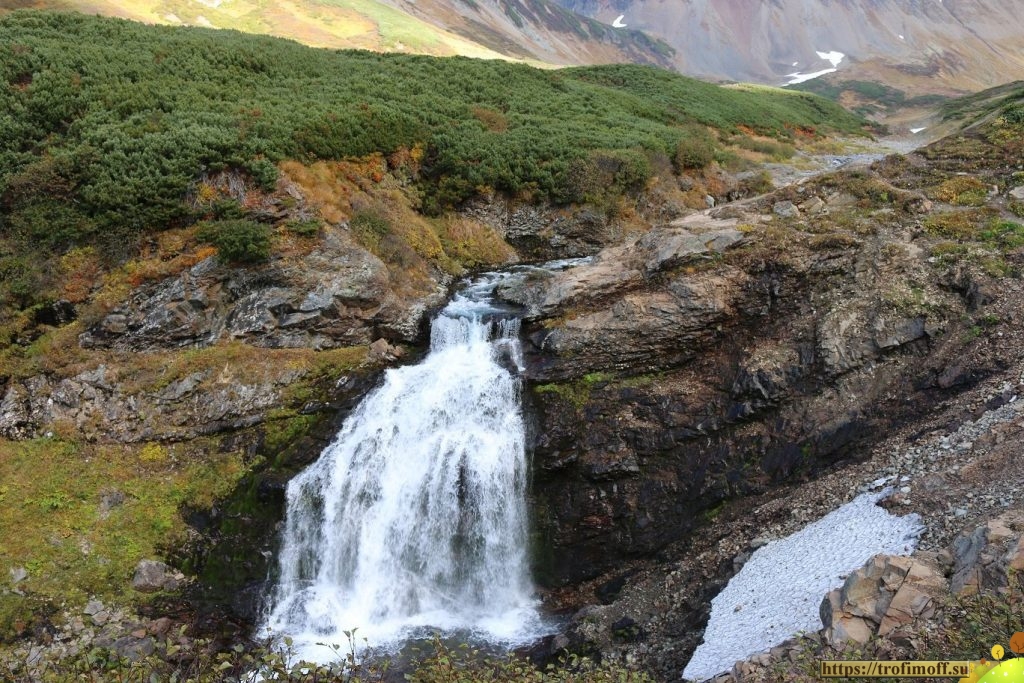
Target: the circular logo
(1010, 671)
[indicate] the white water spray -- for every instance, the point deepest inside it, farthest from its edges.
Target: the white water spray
(414, 518)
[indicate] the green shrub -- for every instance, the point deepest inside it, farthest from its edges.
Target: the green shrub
(370, 228)
(1004, 235)
(695, 151)
(106, 126)
(962, 191)
(1014, 114)
(758, 183)
(237, 241)
(304, 228)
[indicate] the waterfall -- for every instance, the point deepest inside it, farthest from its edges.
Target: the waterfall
(414, 518)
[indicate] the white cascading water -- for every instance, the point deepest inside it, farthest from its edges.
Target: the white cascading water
(414, 518)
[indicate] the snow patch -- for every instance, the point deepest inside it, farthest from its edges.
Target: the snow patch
(833, 57)
(779, 590)
(900, 36)
(915, 131)
(618, 21)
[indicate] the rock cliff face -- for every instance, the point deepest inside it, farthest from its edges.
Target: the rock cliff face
(731, 350)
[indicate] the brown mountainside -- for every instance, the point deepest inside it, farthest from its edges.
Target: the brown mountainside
(916, 45)
(538, 31)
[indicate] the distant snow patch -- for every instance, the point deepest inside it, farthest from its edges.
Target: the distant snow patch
(834, 58)
(915, 131)
(779, 589)
(618, 21)
(901, 36)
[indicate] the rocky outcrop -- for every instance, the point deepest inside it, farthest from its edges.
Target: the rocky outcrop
(885, 594)
(618, 269)
(544, 232)
(338, 295)
(984, 556)
(96, 405)
(702, 361)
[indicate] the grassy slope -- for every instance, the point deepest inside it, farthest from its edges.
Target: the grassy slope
(135, 113)
(977, 108)
(106, 125)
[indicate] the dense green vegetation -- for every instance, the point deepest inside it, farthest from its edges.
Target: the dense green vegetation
(105, 125)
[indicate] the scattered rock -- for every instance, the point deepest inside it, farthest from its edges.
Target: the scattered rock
(152, 576)
(813, 205)
(1017, 192)
(785, 209)
(109, 500)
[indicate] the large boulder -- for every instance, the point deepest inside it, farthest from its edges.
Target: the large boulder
(152, 576)
(886, 593)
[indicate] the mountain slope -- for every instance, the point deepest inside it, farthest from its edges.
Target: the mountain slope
(917, 45)
(532, 30)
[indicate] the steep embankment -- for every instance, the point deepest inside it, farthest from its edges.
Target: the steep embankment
(211, 243)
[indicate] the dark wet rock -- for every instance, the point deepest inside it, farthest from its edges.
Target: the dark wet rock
(686, 367)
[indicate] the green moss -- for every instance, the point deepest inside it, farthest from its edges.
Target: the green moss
(284, 427)
(961, 191)
(959, 225)
(56, 525)
(1003, 235)
(577, 393)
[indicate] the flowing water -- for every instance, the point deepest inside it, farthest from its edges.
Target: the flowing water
(414, 518)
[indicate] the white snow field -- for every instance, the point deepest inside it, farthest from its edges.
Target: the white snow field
(778, 591)
(832, 57)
